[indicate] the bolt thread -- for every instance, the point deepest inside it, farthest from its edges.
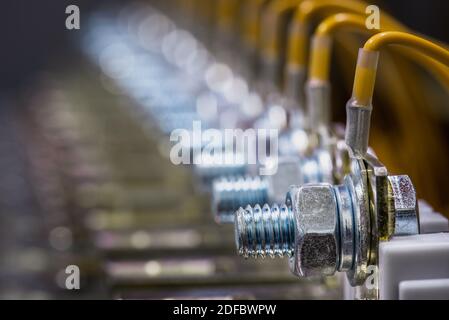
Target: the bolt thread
(208, 171)
(267, 231)
(229, 194)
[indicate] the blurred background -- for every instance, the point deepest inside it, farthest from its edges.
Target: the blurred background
(83, 183)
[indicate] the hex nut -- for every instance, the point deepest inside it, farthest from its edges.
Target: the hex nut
(317, 237)
(404, 205)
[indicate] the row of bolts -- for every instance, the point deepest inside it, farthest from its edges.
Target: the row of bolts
(146, 55)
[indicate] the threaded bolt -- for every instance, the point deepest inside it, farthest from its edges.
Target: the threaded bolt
(267, 231)
(231, 193)
(208, 170)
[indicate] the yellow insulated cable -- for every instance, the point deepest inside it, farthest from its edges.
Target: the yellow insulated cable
(251, 29)
(226, 11)
(297, 46)
(298, 40)
(376, 42)
(271, 46)
(271, 21)
(319, 66)
(297, 43)
(365, 74)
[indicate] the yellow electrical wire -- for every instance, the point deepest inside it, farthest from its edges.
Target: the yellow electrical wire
(226, 12)
(401, 91)
(274, 11)
(365, 74)
(297, 42)
(319, 66)
(297, 46)
(407, 39)
(253, 9)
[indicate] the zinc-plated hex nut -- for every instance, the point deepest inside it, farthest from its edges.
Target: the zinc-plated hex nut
(404, 205)
(317, 237)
